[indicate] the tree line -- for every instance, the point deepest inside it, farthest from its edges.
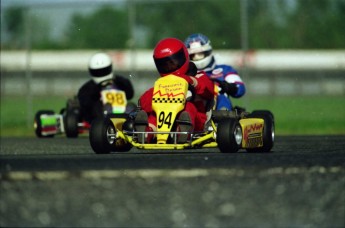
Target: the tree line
(284, 24)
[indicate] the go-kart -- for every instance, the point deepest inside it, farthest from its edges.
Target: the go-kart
(227, 130)
(47, 123)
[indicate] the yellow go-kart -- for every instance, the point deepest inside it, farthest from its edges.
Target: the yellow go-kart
(227, 130)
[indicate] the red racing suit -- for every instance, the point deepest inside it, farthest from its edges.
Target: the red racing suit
(203, 93)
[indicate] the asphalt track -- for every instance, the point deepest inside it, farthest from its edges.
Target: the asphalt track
(60, 182)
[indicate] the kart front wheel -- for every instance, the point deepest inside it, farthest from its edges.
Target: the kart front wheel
(38, 123)
(229, 135)
(101, 136)
(268, 131)
(103, 139)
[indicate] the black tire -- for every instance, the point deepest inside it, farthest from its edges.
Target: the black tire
(268, 131)
(119, 145)
(102, 137)
(229, 135)
(71, 120)
(38, 124)
(263, 112)
(98, 135)
(62, 111)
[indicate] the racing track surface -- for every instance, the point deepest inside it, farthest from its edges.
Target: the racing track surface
(61, 182)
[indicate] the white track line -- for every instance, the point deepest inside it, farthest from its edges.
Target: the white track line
(154, 173)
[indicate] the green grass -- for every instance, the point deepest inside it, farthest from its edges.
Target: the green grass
(293, 115)
(302, 115)
(15, 113)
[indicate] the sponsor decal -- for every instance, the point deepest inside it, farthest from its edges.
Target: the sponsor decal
(254, 142)
(169, 90)
(252, 135)
(250, 129)
(217, 73)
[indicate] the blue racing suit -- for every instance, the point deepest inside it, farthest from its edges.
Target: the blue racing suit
(225, 73)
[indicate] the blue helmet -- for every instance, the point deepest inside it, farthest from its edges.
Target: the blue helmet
(200, 50)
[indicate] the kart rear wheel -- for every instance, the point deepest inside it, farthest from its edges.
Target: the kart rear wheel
(268, 130)
(38, 124)
(262, 112)
(71, 124)
(229, 135)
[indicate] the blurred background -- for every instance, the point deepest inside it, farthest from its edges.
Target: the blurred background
(290, 53)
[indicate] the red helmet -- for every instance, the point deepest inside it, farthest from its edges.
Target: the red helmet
(171, 57)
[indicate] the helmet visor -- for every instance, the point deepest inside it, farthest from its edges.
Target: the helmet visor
(101, 72)
(171, 63)
(199, 55)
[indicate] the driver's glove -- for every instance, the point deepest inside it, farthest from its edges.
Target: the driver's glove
(229, 88)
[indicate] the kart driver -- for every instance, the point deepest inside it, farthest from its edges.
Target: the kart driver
(226, 77)
(171, 57)
(89, 95)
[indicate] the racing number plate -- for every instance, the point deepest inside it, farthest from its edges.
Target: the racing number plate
(116, 98)
(169, 97)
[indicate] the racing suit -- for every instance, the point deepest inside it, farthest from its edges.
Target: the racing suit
(230, 83)
(203, 92)
(89, 96)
